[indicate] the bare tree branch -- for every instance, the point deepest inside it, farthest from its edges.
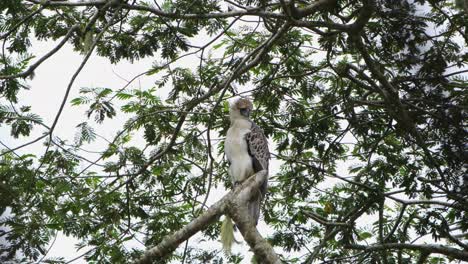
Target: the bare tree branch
(43, 58)
(429, 248)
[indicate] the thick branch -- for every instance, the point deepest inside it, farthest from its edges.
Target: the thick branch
(262, 249)
(238, 211)
(170, 242)
(237, 196)
(312, 8)
(429, 248)
(430, 202)
(161, 13)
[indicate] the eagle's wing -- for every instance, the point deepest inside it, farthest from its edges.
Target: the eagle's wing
(258, 149)
(257, 146)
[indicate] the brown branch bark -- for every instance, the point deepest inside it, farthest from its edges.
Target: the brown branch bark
(365, 13)
(262, 249)
(161, 13)
(232, 203)
(237, 210)
(171, 242)
(312, 8)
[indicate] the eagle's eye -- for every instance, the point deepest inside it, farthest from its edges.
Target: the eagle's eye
(245, 111)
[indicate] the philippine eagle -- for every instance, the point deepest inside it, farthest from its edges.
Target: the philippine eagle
(246, 150)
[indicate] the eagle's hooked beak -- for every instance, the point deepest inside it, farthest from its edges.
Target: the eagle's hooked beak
(245, 112)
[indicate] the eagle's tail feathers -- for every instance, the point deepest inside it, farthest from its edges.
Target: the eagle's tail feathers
(227, 235)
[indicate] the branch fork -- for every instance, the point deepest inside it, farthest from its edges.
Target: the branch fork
(232, 204)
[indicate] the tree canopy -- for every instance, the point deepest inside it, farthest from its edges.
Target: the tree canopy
(363, 102)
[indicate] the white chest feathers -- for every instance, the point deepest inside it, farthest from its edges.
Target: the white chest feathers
(236, 150)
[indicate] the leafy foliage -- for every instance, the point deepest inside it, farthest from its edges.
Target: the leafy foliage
(364, 102)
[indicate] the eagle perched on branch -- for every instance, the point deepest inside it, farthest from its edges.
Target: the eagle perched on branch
(246, 149)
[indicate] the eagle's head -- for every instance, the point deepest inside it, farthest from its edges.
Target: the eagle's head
(241, 107)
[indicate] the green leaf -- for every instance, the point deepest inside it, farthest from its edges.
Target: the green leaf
(364, 235)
